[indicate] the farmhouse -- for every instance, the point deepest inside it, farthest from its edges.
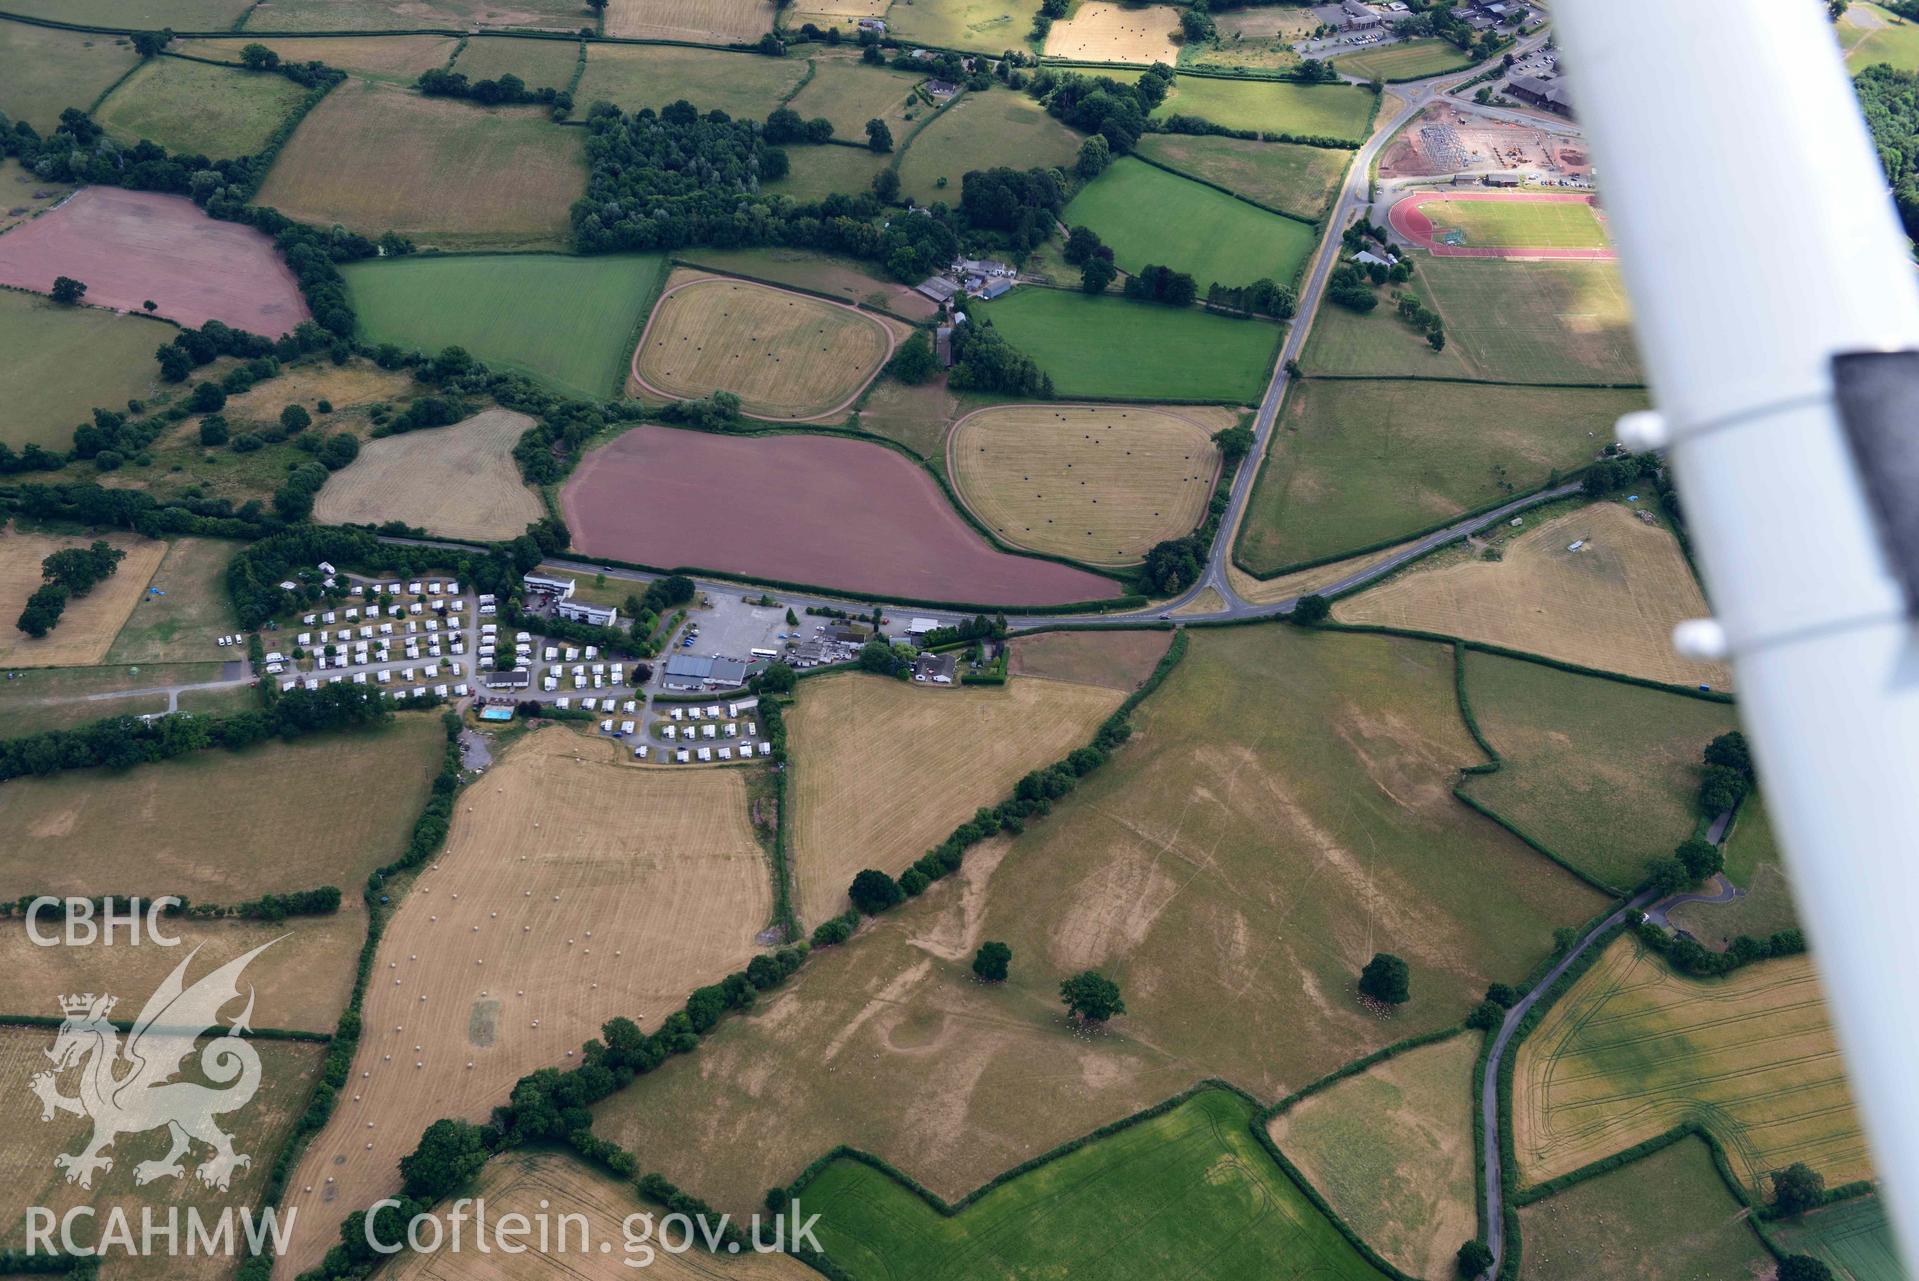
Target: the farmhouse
(575, 611)
(938, 288)
(937, 669)
(1549, 95)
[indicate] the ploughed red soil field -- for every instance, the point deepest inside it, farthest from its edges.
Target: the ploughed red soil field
(800, 509)
(131, 247)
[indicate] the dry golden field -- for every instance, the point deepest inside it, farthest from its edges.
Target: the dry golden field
(701, 21)
(785, 355)
(1265, 591)
(575, 886)
(1611, 605)
(1391, 1150)
(303, 979)
(1100, 32)
(89, 623)
(287, 1072)
(1111, 660)
(219, 826)
(883, 770)
(354, 385)
(396, 58)
(1208, 601)
(835, 13)
(1098, 483)
(1634, 1049)
(459, 481)
(530, 1183)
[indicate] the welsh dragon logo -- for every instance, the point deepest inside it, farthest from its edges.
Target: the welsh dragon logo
(128, 1089)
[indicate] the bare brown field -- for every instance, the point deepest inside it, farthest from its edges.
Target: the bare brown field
(529, 1183)
(1098, 483)
(302, 981)
(219, 826)
(785, 355)
(1266, 591)
(396, 58)
(89, 624)
(1391, 1150)
(1611, 605)
(511, 950)
(459, 481)
(702, 21)
(1101, 32)
(377, 158)
(1634, 1049)
(287, 1072)
(884, 770)
(1108, 659)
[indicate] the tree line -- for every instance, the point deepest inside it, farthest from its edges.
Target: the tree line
(67, 575)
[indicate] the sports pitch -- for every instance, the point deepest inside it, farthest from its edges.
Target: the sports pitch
(1515, 223)
(1406, 60)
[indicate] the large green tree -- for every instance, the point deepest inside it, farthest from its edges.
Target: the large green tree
(1091, 997)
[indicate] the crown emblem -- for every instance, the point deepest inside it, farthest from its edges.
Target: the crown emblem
(72, 1005)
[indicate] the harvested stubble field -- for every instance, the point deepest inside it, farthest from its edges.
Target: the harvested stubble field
(1666, 1217)
(1125, 349)
(565, 320)
(1611, 605)
(1853, 1238)
(1189, 1194)
(62, 361)
(1270, 591)
(302, 981)
(400, 59)
(1534, 322)
(1635, 1049)
(849, 93)
(44, 71)
(193, 610)
(700, 21)
(532, 1183)
(1406, 60)
(1391, 1150)
(1097, 483)
(785, 355)
(219, 826)
(1273, 106)
(843, 14)
(511, 949)
(549, 64)
(132, 247)
(376, 158)
(800, 509)
(415, 15)
(1221, 238)
(1601, 772)
(884, 770)
(1297, 179)
(1101, 32)
(982, 131)
(193, 108)
(847, 279)
(1279, 815)
(636, 76)
(1109, 659)
(458, 482)
(287, 1071)
(1356, 463)
(90, 622)
(983, 26)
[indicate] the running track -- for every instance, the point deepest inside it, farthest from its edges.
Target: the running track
(1412, 223)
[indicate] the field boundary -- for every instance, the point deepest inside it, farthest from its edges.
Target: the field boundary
(1315, 223)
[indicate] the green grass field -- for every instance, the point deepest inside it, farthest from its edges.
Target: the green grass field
(1602, 772)
(567, 321)
(984, 26)
(1119, 348)
(1273, 106)
(1535, 322)
(1894, 41)
(1407, 60)
(1295, 179)
(819, 172)
(1526, 224)
(393, 59)
(1853, 1238)
(1189, 1194)
(199, 109)
(1358, 463)
(636, 76)
(62, 361)
(1148, 215)
(981, 131)
(137, 15)
(44, 71)
(61, 697)
(1666, 1217)
(1753, 864)
(194, 609)
(541, 63)
(849, 93)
